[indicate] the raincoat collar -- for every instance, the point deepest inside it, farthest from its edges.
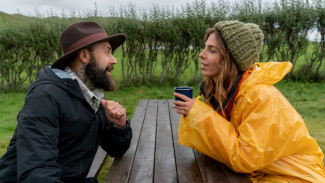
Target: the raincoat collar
(215, 104)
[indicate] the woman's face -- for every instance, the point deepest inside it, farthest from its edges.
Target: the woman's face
(210, 57)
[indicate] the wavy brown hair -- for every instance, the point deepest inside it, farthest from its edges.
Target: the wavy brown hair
(226, 76)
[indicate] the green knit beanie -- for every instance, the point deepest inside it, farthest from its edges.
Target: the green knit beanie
(244, 41)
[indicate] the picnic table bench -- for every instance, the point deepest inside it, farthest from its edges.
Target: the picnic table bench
(156, 156)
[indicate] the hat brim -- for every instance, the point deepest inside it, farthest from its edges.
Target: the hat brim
(115, 41)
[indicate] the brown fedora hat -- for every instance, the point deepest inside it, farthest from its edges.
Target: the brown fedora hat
(80, 35)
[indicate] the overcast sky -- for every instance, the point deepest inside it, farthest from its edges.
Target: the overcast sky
(44, 7)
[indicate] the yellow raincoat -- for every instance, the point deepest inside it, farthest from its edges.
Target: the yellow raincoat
(265, 136)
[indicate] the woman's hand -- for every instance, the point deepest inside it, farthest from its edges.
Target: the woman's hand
(183, 107)
(114, 112)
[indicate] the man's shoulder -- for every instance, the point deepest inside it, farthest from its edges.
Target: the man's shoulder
(47, 90)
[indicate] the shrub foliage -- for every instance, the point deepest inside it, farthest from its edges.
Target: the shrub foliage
(163, 42)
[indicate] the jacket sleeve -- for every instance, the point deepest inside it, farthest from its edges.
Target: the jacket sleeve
(116, 141)
(37, 139)
(264, 127)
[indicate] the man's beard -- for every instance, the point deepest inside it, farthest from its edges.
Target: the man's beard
(98, 76)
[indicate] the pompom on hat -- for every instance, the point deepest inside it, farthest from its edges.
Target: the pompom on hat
(80, 35)
(244, 41)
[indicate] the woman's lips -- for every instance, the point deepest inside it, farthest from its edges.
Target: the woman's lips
(204, 66)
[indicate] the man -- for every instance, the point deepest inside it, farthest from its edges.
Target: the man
(65, 118)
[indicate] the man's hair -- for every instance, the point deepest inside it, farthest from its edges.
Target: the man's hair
(90, 48)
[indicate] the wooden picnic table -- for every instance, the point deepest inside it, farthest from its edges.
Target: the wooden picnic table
(156, 156)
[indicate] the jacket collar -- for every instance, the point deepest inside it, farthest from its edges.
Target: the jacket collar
(93, 96)
(215, 104)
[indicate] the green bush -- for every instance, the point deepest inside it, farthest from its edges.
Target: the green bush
(163, 43)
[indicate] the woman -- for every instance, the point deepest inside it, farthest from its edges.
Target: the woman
(255, 130)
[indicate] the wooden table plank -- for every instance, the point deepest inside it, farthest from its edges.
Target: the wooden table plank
(98, 162)
(234, 177)
(187, 167)
(121, 167)
(165, 167)
(210, 169)
(143, 166)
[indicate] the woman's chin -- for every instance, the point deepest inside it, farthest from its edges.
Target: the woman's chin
(204, 73)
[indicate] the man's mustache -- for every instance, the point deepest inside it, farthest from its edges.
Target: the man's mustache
(109, 68)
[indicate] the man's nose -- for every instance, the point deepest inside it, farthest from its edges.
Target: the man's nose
(113, 60)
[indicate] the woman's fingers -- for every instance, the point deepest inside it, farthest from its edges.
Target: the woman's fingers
(183, 107)
(181, 96)
(179, 103)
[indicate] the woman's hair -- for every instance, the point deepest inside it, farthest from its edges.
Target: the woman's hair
(227, 72)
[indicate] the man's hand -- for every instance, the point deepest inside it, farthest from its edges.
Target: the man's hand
(114, 112)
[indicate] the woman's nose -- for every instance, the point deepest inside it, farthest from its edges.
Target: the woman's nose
(201, 55)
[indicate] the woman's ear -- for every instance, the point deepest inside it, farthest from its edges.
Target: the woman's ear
(84, 56)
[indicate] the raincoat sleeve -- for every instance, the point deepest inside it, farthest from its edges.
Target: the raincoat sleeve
(264, 127)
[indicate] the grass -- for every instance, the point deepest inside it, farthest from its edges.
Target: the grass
(307, 98)
(10, 104)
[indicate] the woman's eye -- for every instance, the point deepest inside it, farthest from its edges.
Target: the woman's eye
(212, 51)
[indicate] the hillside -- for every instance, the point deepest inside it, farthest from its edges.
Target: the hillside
(15, 19)
(8, 19)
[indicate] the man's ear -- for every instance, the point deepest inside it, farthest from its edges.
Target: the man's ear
(84, 56)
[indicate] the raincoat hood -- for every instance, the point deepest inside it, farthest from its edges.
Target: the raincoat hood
(266, 73)
(56, 77)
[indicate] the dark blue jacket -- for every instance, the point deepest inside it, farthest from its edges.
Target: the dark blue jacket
(58, 133)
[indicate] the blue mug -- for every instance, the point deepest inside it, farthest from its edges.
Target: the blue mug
(185, 90)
